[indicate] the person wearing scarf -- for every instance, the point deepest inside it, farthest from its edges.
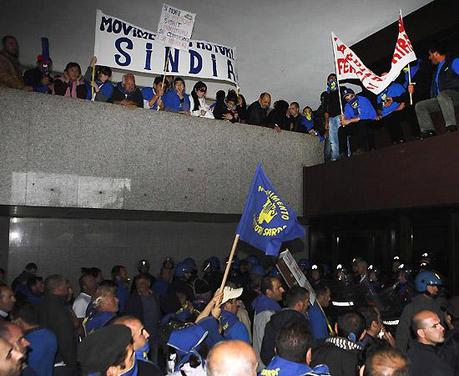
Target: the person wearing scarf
(342, 353)
(71, 84)
(356, 123)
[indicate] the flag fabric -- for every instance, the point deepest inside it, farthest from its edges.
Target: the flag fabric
(267, 220)
(349, 66)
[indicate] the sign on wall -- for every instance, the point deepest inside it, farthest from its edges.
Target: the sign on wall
(119, 44)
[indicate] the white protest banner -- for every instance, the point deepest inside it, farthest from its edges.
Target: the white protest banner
(119, 44)
(175, 27)
(349, 66)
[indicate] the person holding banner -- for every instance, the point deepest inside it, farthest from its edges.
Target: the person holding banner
(152, 96)
(391, 101)
(176, 100)
(359, 115)
(198, 105)
(102, 86)
(444, 92)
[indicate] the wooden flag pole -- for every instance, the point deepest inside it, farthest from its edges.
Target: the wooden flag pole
(332, 332)
(166, 68)
(229, 262)
(93, 75)
(337, 77)
(409, 83)
(409, 67)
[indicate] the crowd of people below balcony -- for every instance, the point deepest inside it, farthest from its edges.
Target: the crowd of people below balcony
(345, 121)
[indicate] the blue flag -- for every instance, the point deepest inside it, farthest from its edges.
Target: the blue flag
(267, 220)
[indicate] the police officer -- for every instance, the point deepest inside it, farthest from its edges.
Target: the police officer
(427, 284)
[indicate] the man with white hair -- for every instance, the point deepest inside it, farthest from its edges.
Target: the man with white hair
(232, 358)
(127, 94)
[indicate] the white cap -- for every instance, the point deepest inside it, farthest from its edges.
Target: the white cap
(230, 293)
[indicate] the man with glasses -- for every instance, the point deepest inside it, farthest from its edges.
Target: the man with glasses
(423, 353)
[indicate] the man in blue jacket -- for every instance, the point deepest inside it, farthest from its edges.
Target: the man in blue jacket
(293, 348)
(391, 102)
(358, 117)
(444, 92)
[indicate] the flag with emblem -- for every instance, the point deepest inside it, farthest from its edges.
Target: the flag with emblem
(267, 220)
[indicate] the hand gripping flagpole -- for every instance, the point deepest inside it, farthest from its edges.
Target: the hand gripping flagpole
(229, 262)
(336, 72)
(409, 68)
(165, 69)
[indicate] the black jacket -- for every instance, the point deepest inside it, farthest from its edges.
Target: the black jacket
(54, 314)
(272, 328)
(340, 355)
(256, 114)
(449, 351)
(148, 369)
(447, 79)
(425, 361)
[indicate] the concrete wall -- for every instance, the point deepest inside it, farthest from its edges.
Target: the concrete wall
(282, 46)
(63, 152)
(65, 245)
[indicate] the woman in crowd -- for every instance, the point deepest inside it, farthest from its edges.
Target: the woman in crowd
(226, 109)
(176, 100)
(101, 89)
(277, 118)
(198, 105)
(71, 84)
(241, 108)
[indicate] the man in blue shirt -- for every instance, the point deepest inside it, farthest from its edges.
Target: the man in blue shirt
(358, 117)
(444, 92)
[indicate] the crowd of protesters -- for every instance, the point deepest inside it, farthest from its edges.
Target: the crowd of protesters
(179, 322)
(345, 121)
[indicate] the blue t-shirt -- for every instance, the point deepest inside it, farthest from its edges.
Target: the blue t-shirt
(41, 351)
(360, 107)
(393, 90)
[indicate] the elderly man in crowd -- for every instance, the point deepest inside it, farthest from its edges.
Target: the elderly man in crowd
(126, 93)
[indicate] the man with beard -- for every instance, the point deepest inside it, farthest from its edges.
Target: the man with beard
(10, 68)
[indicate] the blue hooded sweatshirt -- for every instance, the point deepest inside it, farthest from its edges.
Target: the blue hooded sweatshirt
(99, 320)
(233, 328)
(317, 322)
(262, 303)
(41, 351)
(283, 367)
(173, 103)
(360, 107)
(393, 90)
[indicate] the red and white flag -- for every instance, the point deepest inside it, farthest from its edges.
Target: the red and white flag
(349, 66)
